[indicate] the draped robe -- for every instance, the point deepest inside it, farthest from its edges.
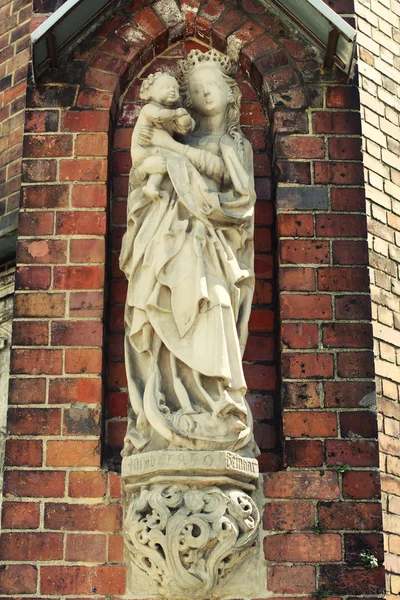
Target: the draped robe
(188, 258)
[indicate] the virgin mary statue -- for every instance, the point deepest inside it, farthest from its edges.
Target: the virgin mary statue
(188, 258)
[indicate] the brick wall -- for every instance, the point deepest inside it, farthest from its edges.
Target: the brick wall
(15, 18)
(378, 24)
(62, 510)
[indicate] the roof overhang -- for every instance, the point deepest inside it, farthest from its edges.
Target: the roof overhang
(325, 27)
(63, 29)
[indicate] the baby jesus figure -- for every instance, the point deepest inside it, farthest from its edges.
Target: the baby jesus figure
(162, 92)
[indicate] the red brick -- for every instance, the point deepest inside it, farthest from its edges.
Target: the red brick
(36, 362)
(20, 515)
(110, 64)
(34, 171)
(36, 223)
(262, 292)
(349, 515)
(87, 484)
(337, 122)
(83, 517)
(355, 364)
(342, 97)
(345, 173)
(89, 196)
(344, 148)
(261, 321)
(291, 579)
(76, 333)
(90, 98)
(151, 24)
(118, 404)
(34, 484)
(81, 419)
(44, 196)
(359, 424)
(86, 548)
(116, 432)
(304, 251)
(295, 225)
(302, 484)
(303, 453)
(347, 394)
(350, 253)
(266, 64)
(91, 144)
(47, 146)
(302, 547)
(18, 579)
(27, 333)
(263, 214)
(42, 251)
(356, 543)
(346, 279)
(208, 14)
(343, 579)
(27, 391)
(301, 366)
(74, 453)
(31, 546)
(348, 199)
(82, 580)
(263, 266)
(347, 335)
(297, 279)
(116, 548)
(300, 395)
(299, 335)
(34, 421)
(225, 25)
(33, 278)
(87, 251)
(115, 485)
(86, 120)
(83, 360)
(360, 485)
(258, 348)
(252, 115)
(262, 240)
(39, 305)
(355, 453)
(86, 304)
(341, 225)
(259, 377)
(305, 306)
(100, 80)
(300, 147)
(23, 453)
(310, 424)
(294, 172)
(83, 169)
(82, 222)
(78, 278)
(288, 516)
(353, 307)
(290, 122)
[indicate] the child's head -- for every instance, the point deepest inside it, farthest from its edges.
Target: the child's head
(162, 88)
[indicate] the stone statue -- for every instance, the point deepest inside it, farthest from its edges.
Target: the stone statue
(188, 258)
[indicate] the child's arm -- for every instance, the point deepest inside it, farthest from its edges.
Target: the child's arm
(184, 123)
(158, 115)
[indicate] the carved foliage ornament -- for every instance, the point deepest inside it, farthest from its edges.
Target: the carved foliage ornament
(188, 539)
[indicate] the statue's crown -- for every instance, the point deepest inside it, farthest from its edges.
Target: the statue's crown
(196, 58)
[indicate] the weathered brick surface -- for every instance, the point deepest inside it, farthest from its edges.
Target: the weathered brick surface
(378, 26)
(318, 277)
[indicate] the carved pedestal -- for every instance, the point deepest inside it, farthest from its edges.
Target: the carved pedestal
(190, 521)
